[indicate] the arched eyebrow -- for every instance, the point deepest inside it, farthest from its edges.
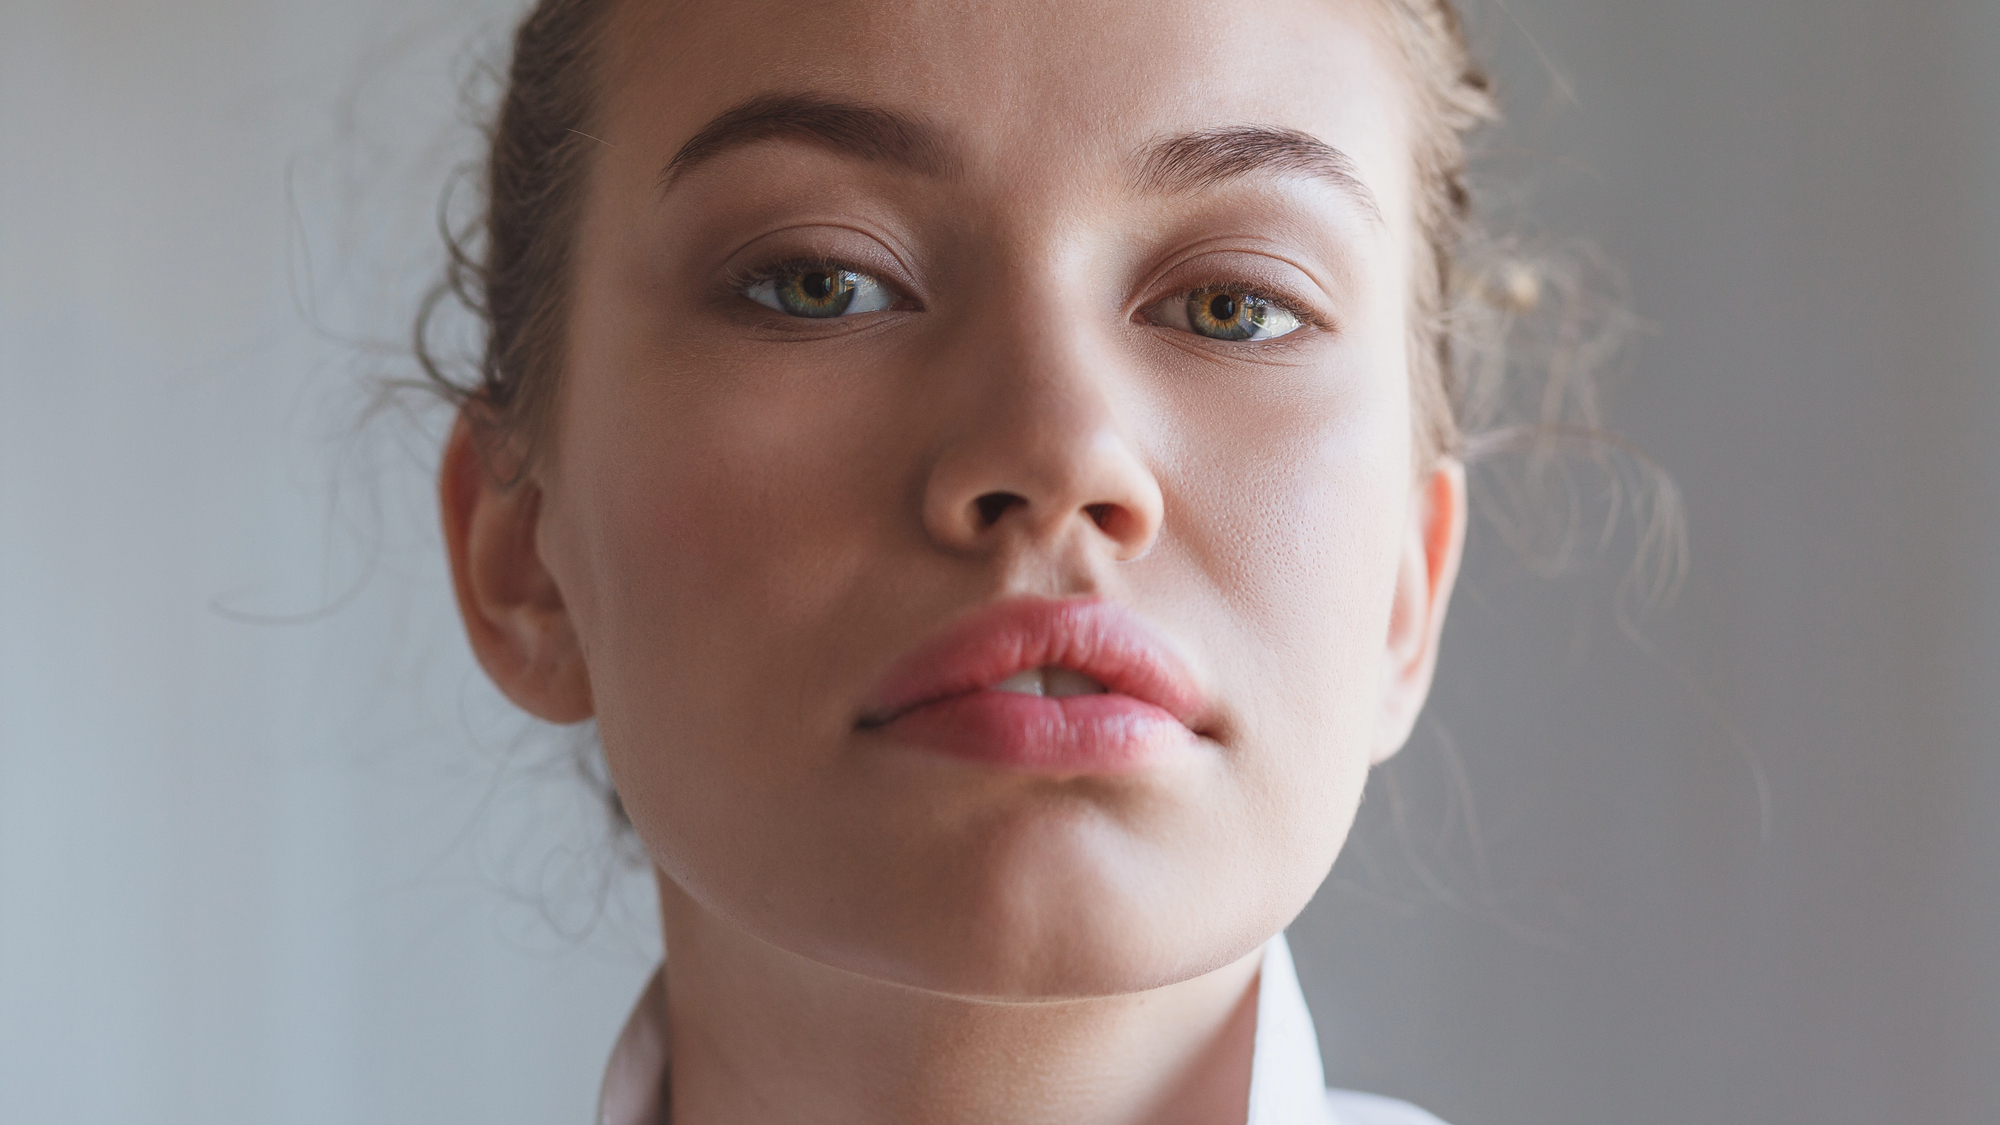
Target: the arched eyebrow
(1196, 161)
(864, 131)
(1188, 162)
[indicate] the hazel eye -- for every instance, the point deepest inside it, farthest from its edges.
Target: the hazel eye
(820, 292)
(1226, 313)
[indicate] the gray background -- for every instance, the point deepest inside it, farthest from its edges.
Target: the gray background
(270, 850)
(1807, 198)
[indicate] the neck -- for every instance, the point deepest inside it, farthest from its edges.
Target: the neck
(761, 1036)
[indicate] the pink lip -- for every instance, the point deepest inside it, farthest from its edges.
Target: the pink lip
(940, 696)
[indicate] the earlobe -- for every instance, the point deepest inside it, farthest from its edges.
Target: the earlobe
(1432, 546)
(514, 612)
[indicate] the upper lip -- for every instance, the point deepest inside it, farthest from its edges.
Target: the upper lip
(1096, 637)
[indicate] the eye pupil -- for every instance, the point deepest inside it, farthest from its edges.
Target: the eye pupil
(819, 291)
(816, 292)
(1230, 314)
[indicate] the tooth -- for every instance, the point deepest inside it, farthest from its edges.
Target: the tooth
(1060, 682)
(1028, 682)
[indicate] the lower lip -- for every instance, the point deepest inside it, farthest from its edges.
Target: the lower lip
(1077, 734)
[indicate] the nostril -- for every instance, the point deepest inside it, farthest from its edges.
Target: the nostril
(993, 505)
(1102, 515)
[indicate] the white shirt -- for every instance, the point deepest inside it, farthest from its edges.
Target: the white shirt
(1287, 1084)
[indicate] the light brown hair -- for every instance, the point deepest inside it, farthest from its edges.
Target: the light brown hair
(512, 272)
(1503, 342)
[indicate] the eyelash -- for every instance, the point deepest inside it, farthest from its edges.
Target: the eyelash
(743, 279)
(740, 281)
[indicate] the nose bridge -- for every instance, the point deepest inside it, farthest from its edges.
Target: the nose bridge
(1043, 443)
(1046, 395)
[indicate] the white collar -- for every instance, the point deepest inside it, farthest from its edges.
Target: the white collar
(1287, 1084)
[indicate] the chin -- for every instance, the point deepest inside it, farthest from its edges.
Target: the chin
(1054, 906)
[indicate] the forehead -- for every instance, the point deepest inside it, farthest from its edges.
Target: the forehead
(1033, 91)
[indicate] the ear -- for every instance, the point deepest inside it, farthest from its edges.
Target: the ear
(514, 613)
(1432, 547)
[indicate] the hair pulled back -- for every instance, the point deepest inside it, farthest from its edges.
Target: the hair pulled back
(512, 270)
(1480, 307)
(513, 274)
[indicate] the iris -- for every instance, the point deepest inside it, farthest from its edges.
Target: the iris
(1231, 314)
(820, 292)
(816, 292)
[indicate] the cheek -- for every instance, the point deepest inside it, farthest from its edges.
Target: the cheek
(732, 537)
(1296, 516)
(712, 530)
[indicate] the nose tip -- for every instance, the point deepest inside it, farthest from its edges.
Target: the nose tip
(1034, 448)
(993, 491)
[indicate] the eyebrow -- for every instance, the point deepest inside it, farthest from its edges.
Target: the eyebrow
(864, 131)
(1185, 163)
(1196, 161)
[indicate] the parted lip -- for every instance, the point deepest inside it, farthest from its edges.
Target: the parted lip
(1094, 636)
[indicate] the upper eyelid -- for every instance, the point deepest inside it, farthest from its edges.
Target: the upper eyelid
(1195, 271)
(881, 255)
(1285, 296)
(751, 275)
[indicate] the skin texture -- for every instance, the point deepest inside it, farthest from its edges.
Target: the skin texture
(744, 519)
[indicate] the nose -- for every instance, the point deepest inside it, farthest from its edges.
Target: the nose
(1037, 454)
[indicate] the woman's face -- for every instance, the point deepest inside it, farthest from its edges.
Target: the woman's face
(970, 351)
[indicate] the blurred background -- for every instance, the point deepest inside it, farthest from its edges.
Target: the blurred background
(271, 850)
